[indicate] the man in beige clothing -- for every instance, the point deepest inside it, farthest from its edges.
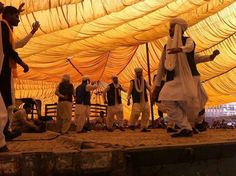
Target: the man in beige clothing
(138, 90)
(112, 97)
(65, 92)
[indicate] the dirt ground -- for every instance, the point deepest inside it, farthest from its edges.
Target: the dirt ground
(51, 141)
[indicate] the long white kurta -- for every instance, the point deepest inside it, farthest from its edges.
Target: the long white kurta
(172, 94)
(114, 110)
(202, 95)
(82, 112)
(3, 110)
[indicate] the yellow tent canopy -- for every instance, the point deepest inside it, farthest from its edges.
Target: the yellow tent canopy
(105, 37)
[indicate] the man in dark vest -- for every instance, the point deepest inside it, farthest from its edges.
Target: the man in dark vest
(65, 92)
(138, 90)
(199, 123)
(179, 94)
(82, 107)
(112, 97)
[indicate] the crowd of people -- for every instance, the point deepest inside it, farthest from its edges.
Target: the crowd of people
(222, 124)
(177, 89)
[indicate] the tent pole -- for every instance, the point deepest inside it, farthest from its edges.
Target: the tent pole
(150, 83)
(69, 60)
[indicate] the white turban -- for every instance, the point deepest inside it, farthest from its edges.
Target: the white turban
(138, 69)
(66, 77)
(181, 22)
(85, 77)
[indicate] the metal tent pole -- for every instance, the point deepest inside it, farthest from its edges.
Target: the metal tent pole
(150, 82)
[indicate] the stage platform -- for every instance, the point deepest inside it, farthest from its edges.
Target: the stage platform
(130, 153)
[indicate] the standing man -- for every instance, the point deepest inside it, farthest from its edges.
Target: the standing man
(112, 97)
(179, 93)
(65, 92)
(11, 57)
(3, 110)
(138, 90)
(82, 107)
(198, 124)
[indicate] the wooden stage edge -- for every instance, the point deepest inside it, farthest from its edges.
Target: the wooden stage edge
(121, 153)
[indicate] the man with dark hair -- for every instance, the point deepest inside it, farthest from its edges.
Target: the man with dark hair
(8, 11)
(21, 123)
(11, 57)
(100, 123)
(3, 110)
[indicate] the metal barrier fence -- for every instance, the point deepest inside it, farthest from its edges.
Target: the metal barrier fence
(95, 109)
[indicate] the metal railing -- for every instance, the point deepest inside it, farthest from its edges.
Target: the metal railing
(95, 109)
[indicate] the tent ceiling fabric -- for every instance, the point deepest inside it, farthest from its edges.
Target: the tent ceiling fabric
(104, 37)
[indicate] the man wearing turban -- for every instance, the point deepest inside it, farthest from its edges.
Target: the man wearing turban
(194, 116)
(82, 106)
(112, 97)
(179, 94)
(65, 92)
(138, 90)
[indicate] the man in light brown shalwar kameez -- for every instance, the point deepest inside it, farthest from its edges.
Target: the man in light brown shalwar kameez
(65, 92)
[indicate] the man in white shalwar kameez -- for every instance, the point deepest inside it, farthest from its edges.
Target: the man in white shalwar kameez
(138, 90)
(198, 123)
(82, 106)
(180, 93)
(112, 97)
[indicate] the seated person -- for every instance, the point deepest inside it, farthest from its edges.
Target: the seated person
(101, 118)
(20, 122)
(100, 121)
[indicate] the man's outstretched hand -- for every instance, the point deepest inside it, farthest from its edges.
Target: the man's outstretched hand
(21, 7)
(214, 54)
